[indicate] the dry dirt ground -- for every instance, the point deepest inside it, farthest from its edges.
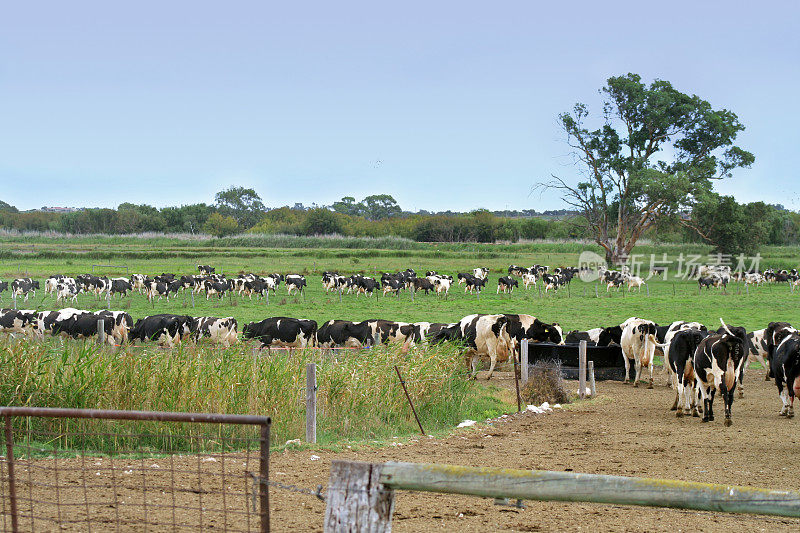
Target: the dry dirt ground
(624, 431)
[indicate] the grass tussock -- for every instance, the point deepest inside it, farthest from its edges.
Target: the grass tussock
(545, 384)
(359, 396)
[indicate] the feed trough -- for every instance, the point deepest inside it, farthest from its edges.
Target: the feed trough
(607, 359)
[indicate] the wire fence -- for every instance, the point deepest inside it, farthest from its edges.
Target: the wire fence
(86, 469)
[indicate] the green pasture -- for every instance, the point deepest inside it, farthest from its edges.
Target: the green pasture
(583, 305)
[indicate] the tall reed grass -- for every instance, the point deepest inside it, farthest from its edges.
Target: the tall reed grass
(359, 396)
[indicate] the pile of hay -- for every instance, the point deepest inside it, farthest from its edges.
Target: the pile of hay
(545, 384)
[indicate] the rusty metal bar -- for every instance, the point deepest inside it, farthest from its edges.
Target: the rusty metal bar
(263, 487)
(158, 416)
(12, 489)
(403, 383)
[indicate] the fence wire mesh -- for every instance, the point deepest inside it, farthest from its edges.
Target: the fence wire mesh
(89, 470)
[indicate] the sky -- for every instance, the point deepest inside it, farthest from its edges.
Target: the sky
(444, 105)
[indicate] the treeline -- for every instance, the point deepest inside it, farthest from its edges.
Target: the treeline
(720, 220)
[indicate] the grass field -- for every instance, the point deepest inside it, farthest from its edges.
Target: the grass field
(576, 308)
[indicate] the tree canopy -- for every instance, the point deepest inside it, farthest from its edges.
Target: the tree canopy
(654, 153)
(244, 205)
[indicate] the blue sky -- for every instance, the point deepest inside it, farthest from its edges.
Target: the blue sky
(444, 105)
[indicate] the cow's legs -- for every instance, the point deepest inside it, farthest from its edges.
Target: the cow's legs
(637, 363)
(783, 394)
(677, 406)
(727, 396)
(627, 367)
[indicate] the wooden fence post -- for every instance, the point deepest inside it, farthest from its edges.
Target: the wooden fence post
(524, 361)
(101, 331)
(357, 501)
(311, 402)
(582, 369)
(592, 387)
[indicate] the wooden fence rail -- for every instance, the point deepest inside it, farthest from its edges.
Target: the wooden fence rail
(538, 485)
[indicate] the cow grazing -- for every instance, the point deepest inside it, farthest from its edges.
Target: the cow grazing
(682, 347)
(219, 330)
(528, 327)
(551, 281)
(485, 337)
(515, 270)
(17, 321)
(596, 336)
(715, 363)
(205, 270)
(638, 342)
(506, 284)
(282, 331)
(121, 322)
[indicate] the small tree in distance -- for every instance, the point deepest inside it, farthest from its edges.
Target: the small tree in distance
(221, 226)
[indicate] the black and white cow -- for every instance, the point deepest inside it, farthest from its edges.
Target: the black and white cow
(344, 334)
(282, 331)
(529, 327)
(3, 287)
(121, 286)
(295, 282)
(596, 336)
(515, 270)
(664, 336)
(476, 285)
(17, 321)
(85, 326)
(422, 284)
(205, 270)
(682, 347)
(219, 330)
(485, 337)
(392, 286)
(638, 342)
(157, 289)
(551, 281)
(121, 321)
(365, 285)
(480, 272)
(506, 284)
(166, 329)
(757, 350)
(786, 371)
(24, 286)
(715, 363)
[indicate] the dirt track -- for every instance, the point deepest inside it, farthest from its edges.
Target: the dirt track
(625, 431)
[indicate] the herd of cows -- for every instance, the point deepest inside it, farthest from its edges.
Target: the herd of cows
(700, 362)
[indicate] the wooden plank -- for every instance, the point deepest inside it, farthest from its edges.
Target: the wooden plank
(544, 485)
(592, 387)
(356, 500)
(524, 361)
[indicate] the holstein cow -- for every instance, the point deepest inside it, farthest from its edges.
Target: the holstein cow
(506, 284)
(485, 337)
(475, 284)
(786, 371)
(165, 329)
(480, 272)
(205, 270)
(682, 348)
(344, 333)
(638, 342)
(422, 284)
(3, 287)
(715, 363)
(528, 280)
(295, 282)
(121, 322)
(442, 285)
(219, 330)
(84, 326)
(665, 341)
(528, 327)
(757, 350)
(16, 321)
(282, 331)
(121, 286)
(24, 286)
(596, 336)
(741, 333)
(635, 281)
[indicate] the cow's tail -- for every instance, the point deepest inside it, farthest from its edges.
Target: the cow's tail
(724, 325)
(650, 344)
(730, 375)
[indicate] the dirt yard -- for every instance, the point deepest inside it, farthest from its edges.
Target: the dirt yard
(624, 431)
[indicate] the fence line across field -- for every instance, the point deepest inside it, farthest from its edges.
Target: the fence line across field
(360, 496)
